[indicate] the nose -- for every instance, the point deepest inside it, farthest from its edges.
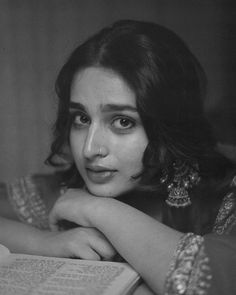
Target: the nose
(96, 143)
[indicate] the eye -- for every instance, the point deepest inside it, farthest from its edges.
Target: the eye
(80, 120)
(123, 123)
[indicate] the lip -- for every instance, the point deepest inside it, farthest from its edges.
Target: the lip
(100, 174)
(98, 168)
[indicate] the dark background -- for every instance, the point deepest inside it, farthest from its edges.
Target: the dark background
(36, 36)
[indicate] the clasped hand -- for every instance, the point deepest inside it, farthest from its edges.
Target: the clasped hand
(84, 241)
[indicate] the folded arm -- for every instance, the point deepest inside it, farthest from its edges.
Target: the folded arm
(143, 242)
(169, 261)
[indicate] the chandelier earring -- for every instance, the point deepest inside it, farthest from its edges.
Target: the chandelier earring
(185, 176)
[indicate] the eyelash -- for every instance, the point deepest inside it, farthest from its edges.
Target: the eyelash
(130, 121)
(80, 125)
(74, 116)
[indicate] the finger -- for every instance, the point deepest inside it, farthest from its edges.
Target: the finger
(105, 251)
(86, 253)
(103, 247)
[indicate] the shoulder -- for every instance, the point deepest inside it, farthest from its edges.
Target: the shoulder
(31, 197)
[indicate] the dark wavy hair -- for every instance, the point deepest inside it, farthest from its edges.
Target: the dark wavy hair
(170, 88)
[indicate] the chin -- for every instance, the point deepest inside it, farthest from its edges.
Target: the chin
(106, 192)
(101, 193)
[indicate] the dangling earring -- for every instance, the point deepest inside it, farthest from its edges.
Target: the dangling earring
(185, 176)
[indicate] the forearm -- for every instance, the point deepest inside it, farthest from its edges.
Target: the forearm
(21, 238)
(144, 242)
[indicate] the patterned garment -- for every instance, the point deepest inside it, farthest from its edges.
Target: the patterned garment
(207, 265)
(202, 265)
(25, 196)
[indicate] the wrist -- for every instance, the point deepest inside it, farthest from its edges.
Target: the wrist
(36, 244)
(98, 210)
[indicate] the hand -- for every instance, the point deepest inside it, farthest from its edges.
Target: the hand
(81, 242)
(76, 206)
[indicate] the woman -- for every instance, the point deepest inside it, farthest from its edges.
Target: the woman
(142, 168)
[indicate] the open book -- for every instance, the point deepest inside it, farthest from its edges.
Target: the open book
(22, 274)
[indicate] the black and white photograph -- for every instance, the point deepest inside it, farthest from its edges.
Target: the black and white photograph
(117, 147)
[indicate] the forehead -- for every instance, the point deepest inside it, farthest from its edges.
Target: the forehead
(101, 86)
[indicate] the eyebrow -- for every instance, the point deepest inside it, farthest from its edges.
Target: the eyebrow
(106, 107)
(118, 107)
(76, 105)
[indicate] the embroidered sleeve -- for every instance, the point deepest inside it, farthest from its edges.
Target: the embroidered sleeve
(206, 265)
(226, 218)
(25, 198)
(190, 272)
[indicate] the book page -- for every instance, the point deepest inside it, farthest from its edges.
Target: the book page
(37, 275)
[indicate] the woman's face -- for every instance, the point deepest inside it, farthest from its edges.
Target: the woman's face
(107, 137)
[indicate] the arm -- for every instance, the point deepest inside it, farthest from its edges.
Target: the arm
(144, 242)
(85, 243)
(20, 237)
(166, 259)
(31, 198)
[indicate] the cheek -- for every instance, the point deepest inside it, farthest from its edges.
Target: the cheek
(130, 155)
(76, 146)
